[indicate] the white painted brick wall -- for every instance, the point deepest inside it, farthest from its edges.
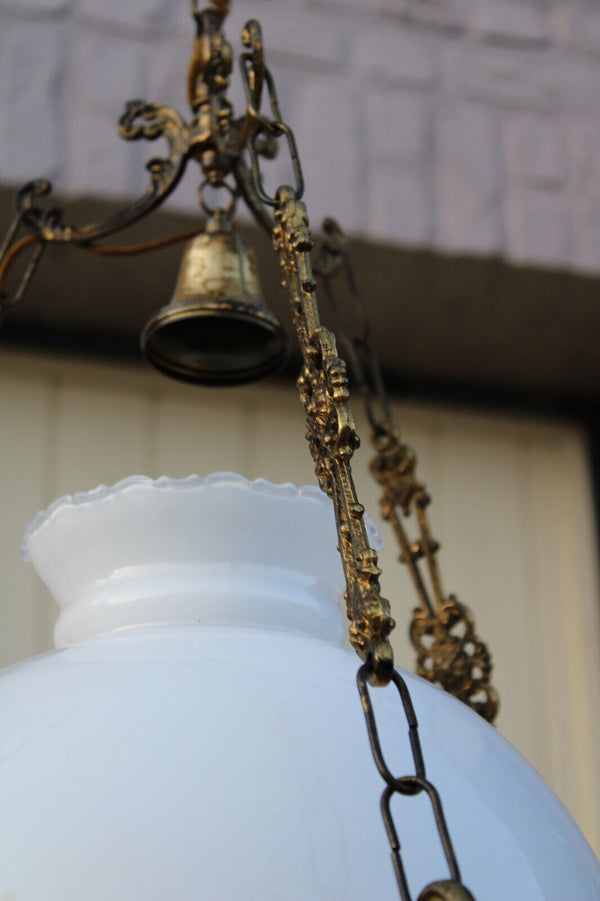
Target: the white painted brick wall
(469, 184)
(510, 22)
(470, 126)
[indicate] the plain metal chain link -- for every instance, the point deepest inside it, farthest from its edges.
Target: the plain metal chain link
(410, 786)
(266, 127)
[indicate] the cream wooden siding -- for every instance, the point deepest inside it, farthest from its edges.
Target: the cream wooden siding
(512, 507)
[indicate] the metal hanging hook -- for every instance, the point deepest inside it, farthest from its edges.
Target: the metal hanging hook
(227, 210)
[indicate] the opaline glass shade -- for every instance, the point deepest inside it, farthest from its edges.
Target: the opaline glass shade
(200, 735)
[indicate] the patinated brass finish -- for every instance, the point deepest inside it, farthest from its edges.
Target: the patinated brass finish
(332, 438)
(213, 138)
(187, 339)
(442, 630)
(217, 329)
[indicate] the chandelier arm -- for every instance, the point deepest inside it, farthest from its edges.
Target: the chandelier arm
(139, 120)
(6, 261)
(12, 249)
(165, 174)
(15, 225)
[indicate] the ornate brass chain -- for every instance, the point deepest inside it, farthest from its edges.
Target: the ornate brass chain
(332, 437)
(218, 142)
(442, 630)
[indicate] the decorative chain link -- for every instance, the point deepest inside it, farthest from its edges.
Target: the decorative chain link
(322, 383)
(266, 129)
(332, 438)
(442, 631)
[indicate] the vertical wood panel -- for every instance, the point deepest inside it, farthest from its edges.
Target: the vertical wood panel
(199, 432)
(24, 439)
(567, 617)
(585, 640)
(280, 449)
(103, 435)
(581, 635)
(548, 615)
(484, 563)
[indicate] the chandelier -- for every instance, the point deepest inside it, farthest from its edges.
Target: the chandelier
(217, 330)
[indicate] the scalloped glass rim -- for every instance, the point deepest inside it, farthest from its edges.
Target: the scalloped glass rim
(166, 483)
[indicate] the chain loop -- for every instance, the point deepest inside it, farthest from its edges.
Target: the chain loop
(279, 128)
(408, 786)
(208, 209)
(273, 127)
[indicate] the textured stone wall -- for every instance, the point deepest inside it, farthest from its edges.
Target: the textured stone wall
(470, 126)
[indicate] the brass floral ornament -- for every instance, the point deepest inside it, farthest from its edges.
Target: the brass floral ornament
(442, 630)
(332, 438)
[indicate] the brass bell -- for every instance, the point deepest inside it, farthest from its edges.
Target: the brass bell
(217, 329)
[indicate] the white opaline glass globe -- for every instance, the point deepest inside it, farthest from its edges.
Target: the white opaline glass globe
(199, 736)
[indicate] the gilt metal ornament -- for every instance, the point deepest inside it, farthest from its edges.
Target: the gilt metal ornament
(228, 151)
(442, 631)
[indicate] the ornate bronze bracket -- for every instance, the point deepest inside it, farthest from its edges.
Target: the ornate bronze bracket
(212, 138)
